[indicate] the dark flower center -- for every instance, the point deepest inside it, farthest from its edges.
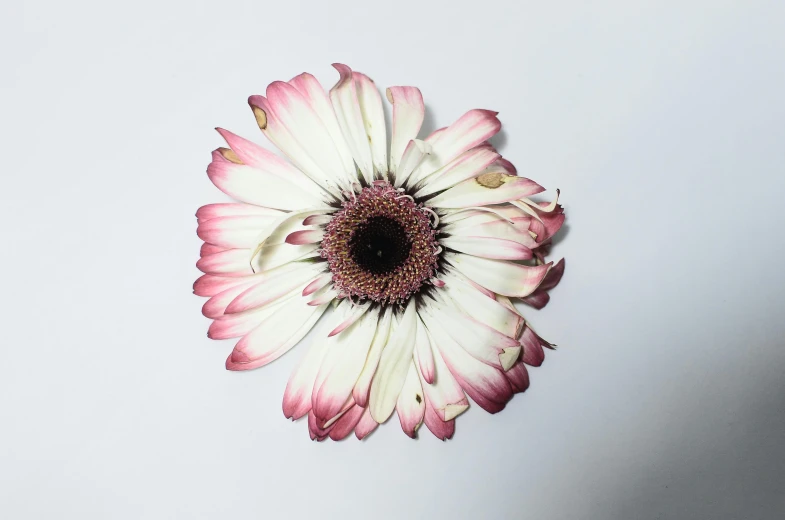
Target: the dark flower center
(379, 245)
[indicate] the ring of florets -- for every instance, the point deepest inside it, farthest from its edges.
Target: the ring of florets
(381, 245)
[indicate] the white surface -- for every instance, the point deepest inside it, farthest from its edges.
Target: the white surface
(663, 123)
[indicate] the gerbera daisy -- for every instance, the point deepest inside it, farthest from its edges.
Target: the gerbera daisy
(422, 247)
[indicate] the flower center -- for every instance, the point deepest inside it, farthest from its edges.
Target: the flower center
(380, 246)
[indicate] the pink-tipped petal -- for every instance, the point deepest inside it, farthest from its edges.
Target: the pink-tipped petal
(210, 285)
(319, 282)
(316, 96)
(538, 299)
(323, 297)
(373, 120)
(276, 284)
(232, 262)
(344, 426)
(344, 97)
(247, 184)
(269, 340)
(232, 209)
(533, 353)
(476, 303)
(317, 432)
(234, 232)
(485, 384)
(277, 132)
(471, 129)
(343, 362)
(468, 165)
(486, 247)
(306, 236)
(485, 189)
(210, 249)
(506, 278)
(366, 426)
(413, 155)
(423, 353)
(265, 161)
(299, 118)
(477, 339)
(236, 325)
(297, 396)
(355, 314)
(408, 114)
(410, 405)
(489, 225)
(396, 357)
(317, 220)
(444, 395)
(553, 277)
(216, 305)
(362, 387)
(440, 429)
(518, 377)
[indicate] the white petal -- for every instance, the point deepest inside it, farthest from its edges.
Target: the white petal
(470, 130)
(481, 341)
(509, 357)
(363, 384)
(507, 278)
(247, 184)
(267, 162)
(480, 307)
(236, 325)
(297, 397)
(393, 365)
(275, 284)
(276, 233)
(516, 229)
(423, 353)
(467, 165)
(234, 232)
(482, 190)
(413, 155)
(350, 118)
(342, 364)
(233, 209)
(408, 114)
(354, 314)
(373, 120)
(484, 383)
(280, 254)
(445, 394)
(269, 340)
(487, 247)
(316, 96)
(411, 402)
(277, 132)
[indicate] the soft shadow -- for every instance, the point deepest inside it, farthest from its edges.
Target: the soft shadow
(738, 475)
(428, 123)
(499, 141)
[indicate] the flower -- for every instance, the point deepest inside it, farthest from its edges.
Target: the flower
(421, 248)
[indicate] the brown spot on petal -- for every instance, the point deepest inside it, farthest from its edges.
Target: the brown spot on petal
(388, 92)
(490, 180)
(418, 398)
(261, 117)
(229, 155)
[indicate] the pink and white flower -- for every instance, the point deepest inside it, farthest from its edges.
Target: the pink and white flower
(420, 246)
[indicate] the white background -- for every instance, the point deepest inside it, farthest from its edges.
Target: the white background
(663, 123)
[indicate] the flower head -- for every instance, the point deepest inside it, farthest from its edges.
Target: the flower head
(422, 247)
